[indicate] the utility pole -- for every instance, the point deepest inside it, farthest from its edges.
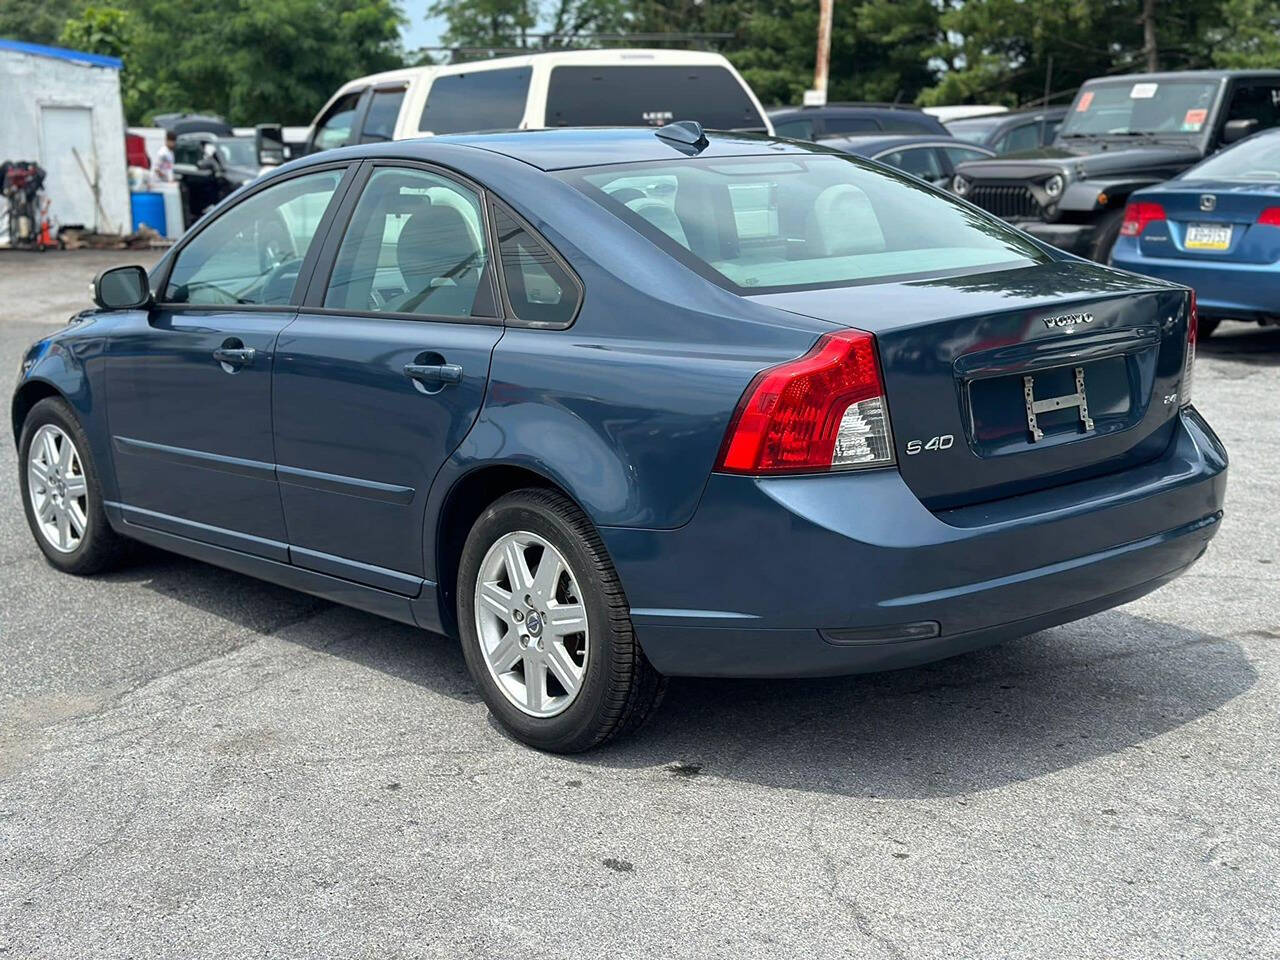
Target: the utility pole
(818, 95)
(1149, 35)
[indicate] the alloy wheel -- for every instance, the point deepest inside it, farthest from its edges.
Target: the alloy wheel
(58, 488)
(532, 624)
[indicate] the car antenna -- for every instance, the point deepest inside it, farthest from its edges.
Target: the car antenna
(684, 134)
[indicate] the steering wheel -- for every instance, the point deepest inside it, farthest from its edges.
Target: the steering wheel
(279, 284)
(275, 246)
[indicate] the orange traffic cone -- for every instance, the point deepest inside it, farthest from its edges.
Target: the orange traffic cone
(46, 241)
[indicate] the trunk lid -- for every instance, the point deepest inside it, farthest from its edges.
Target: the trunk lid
(957, 353)
(1211, 220)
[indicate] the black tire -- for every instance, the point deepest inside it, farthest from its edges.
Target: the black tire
(1104, 239)
(100, 547)
(620, 688)
(1205, 328)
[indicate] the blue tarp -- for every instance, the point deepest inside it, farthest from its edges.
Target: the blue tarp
(61, 53)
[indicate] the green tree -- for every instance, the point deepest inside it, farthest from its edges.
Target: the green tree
(109, 31)
(35, 21)
(1253, 38)
(508, 25)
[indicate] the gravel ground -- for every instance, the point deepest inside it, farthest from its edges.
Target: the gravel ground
(193, 763)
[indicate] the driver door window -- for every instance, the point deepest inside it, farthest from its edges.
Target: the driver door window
(335, 129)
(251, 254)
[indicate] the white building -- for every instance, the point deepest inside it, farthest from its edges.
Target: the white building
(62, 109)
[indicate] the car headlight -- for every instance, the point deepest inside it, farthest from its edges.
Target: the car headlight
(1053, 186)
(961, 185)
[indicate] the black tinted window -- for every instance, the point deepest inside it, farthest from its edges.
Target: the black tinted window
(384, 109)
(801, 129)
(627, 96)
(841, 125)
(908, 123)
(483, 100)
(539, 289)
(335, 129)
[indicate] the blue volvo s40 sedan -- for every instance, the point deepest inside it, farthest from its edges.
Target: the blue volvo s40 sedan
(1216, 228)
(615, 405)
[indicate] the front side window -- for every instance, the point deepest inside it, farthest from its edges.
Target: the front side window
(415, 244)
(922, 162)
(642, 95)
(335, 129)
(540, 290)
(384, 110)
(1122, 107)
(251, 253)
(959, 155)
(1260, 102)
(480, 100)
(1024, 137)
(799, 129)
(758, 224)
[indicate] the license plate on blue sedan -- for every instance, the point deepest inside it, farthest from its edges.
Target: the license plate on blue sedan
(1208, 236)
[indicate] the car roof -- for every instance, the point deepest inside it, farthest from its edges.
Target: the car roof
(870, 146)
(564, 147)
(845, 108)
(1187, 75)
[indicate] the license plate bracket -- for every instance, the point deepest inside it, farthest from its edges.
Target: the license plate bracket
(1034, 407)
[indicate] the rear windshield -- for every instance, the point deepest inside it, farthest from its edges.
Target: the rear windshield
(639, 95)
(1255, 159)
(974, 129)
(482, 100)
(764, 224)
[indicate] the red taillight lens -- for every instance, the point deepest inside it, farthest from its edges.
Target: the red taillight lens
(1137, 215)
(1270, 217)
(1193, 324)
(823, 411)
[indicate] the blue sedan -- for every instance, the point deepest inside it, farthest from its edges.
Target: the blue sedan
(611, 406)
(1216, 228)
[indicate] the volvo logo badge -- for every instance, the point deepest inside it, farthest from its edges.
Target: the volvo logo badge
(1068, 320)
(1207, 202)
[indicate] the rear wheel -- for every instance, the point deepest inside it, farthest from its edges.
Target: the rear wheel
(61, 492)
(545, 627)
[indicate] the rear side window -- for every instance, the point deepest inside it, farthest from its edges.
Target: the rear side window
(908, 123)
(384, 110)
(539, 288)
(653, 95)
(763, 224)
(483, 100)
(416, 244)
(837, 126)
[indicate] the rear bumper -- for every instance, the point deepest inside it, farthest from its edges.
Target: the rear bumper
(849, 573)
(1225, 291)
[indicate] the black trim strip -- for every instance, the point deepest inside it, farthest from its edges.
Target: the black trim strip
(347, 486)
(196, 458)
(206, 533)
(366, 573)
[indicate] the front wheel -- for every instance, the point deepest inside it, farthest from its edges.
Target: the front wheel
(62, 494)
(546, 631)
(1105, 237)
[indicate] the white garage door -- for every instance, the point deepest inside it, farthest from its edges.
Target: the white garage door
(64, 130)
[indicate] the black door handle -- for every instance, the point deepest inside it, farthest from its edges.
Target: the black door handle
(442, 373)
(235, 356)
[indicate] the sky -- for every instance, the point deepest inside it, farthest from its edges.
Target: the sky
(419, 31)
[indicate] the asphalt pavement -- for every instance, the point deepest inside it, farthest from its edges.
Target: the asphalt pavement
(196, 764)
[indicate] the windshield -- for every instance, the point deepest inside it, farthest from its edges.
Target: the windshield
(1119, 107)
(758, 224)
(1257, 158)
(975, 129)
(237, 153)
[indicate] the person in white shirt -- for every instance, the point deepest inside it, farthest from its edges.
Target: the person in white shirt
(162, 166)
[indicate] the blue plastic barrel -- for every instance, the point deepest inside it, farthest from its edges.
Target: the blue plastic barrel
(148, 208)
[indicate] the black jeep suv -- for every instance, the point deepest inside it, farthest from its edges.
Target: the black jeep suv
(1121, 134)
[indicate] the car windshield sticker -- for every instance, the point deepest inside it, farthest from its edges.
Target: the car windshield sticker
(1086, 98)
(1143, 91)
(1194, 119)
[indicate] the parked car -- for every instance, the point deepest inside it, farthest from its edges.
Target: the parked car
(1121, 134)
(211, 167)
(1010, 132)
(958, 111)
(616, 405)
(576, 88)
(932, 159)
(1216, 228)
(853, 119)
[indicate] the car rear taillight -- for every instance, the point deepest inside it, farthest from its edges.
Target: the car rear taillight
(824, 411)
(1192, 325)
(1137, 215)
(1270, 217)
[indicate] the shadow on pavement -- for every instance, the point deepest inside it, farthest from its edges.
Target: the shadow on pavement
(983, 720)
(1243, 343)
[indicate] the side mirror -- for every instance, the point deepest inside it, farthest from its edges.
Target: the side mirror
(122, 288)
(1238, 129)
(268, 141)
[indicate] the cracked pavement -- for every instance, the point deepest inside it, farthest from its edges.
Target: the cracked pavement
(193, 763)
